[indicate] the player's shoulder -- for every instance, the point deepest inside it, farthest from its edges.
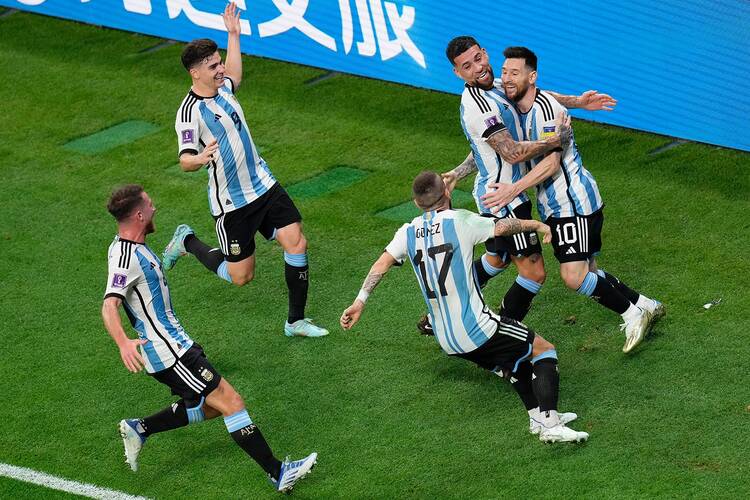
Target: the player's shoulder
(186, 109)
(547, 104)
(474, 98)
(122, 253)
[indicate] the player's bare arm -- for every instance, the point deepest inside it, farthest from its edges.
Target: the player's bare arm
(131, 358)
(507, 227)
(504, 193)
(590, 100)
(190, 162)
(514, 151)
(233, 62)
(468, 166)
(379, 269)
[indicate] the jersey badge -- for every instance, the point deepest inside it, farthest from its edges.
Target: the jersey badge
(234, 248)
(188, 136)
(119, 280)
(207, 375)
(548, 131)
(533, 238)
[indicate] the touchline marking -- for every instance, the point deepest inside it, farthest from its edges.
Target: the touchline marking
(58, 483)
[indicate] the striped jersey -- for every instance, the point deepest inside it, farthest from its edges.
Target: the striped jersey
(572, 190)
(440, 248)
(136, 277)
(239, 176)
(484, 112)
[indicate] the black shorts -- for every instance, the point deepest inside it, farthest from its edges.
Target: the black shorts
(505, 350)
(517, 245)
(192, 377)
(236, 230)
(576, 238)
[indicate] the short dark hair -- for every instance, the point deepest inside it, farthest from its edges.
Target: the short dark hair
(124, 200)
(521, 53)
(428, 189)
(458, 46)
(196, 51)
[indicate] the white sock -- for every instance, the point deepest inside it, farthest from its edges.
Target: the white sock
(549, 419)
(632, 313)
(534, 414)
(645, 303)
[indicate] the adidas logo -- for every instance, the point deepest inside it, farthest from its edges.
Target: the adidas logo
(570, 251)
(217, 117)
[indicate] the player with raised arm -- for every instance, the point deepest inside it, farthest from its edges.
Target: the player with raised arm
(243, 195)
(568, 200)
(439, 244)
(137, 283)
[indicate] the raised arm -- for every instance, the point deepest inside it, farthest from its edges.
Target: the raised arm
(590, 100)
(502, 194)
(451, 177)
(234, 56)
(514, 151)
(131, 358)
(352, 313)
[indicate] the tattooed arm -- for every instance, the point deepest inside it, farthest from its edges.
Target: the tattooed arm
(465, 168)
(507, 227)
(517, 151)
(352, 313)
(590, 100)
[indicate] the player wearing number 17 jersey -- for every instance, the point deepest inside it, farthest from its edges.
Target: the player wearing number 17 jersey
(439, 244)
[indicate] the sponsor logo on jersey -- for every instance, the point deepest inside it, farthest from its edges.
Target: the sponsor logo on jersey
(492, 121)
(188, 136)
(234, 248)
(207, 375)
(119, 280)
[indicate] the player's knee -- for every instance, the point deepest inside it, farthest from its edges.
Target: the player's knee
(572, 279)
(542, 345)
(300, 245)
(243, 278)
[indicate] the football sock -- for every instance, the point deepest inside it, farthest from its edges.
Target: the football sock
(546, 380)
(485, 271)
(249, 438)
(624, 289)
(296, 271)
(171, 417)
(211, 258)
(603, 292)
(521, 382)
(517, 300)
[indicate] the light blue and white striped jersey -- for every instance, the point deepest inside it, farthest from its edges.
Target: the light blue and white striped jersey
(136, 277)
(239, 176)
(440, 247)
(484, 112)
(572, 190)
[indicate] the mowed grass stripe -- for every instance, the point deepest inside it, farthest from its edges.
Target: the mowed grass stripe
(406, 211)
(112, 137)
(335, 179)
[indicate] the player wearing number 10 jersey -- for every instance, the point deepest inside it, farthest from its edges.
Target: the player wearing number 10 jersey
(439, 244)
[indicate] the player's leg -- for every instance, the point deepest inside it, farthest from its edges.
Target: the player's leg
(185, 241)
(654, 307)
(531, 276)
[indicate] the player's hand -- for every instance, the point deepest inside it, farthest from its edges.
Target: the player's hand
(209, 153)
(563, 125)
(546, 232)
(232, 18)
(594, 101)
(450, 179)
(131, 358)
(350, 317)
(501, 195)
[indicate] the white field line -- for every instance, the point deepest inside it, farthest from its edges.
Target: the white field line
(58, 483)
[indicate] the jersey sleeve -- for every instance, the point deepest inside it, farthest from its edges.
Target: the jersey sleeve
(229, 85)
(397, 248)
(548, 110)
(187, 127)
(123, 272)
(481, 115)
(478, 229)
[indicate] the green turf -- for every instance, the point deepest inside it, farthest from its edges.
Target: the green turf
(390, 415)
(112, 137)
(330, 181)
(407, 210)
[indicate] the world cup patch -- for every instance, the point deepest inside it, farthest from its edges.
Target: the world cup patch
(492, 121)
(188, 136)
(119, 280)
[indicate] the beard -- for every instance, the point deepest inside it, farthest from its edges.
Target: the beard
(520, 93)
(150, 227)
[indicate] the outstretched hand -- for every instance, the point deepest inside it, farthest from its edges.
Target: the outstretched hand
(501, 194)
(351, 315)
(563, 125)
(546, 233)
(131, 358)
(450, 179)
(231, 17)
(594, 101)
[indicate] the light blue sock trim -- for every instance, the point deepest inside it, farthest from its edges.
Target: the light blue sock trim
(223, 272)
(489, 268)
(487, 252)
(528, 284)
(600, 272)
(196, 414)
(545, 355)
(237, 421)
(515, 367)
(273, 236)
(296, 259)
(589, 284)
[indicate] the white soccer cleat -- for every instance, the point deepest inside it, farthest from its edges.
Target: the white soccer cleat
(291, 472)
(535, 427)
(635, 330)
(304, 328)
(562, 434)
(132, 440)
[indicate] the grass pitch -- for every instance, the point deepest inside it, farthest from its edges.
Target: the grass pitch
(389, 414)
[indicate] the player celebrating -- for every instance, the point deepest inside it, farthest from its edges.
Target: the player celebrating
(439, 244)
(243, 195)
(568, 200)
(136, 281)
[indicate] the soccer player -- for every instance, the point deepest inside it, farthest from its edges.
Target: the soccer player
(568, 201)
(498, 152)
(136, 281)
(439, 244)
(243, 195)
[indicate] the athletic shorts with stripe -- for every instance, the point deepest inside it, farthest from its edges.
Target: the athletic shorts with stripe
(576, 238)
(236, 229)
(517, 245)
(508, 346)
(192, 377)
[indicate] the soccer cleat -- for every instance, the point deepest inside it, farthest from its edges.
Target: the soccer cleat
(656, 310)
(536, 427)
(304, 328)
(562, 434)
(291, 472)
(635, 330)
(133, 442)
(424, 326)
(176, 246)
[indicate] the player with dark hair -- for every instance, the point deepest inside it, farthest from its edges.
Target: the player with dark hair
(568, 200)
(439, 245)
(170, 356)
(243, 195)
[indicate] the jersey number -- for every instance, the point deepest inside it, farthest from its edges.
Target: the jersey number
(568, 234)
(445, 248)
